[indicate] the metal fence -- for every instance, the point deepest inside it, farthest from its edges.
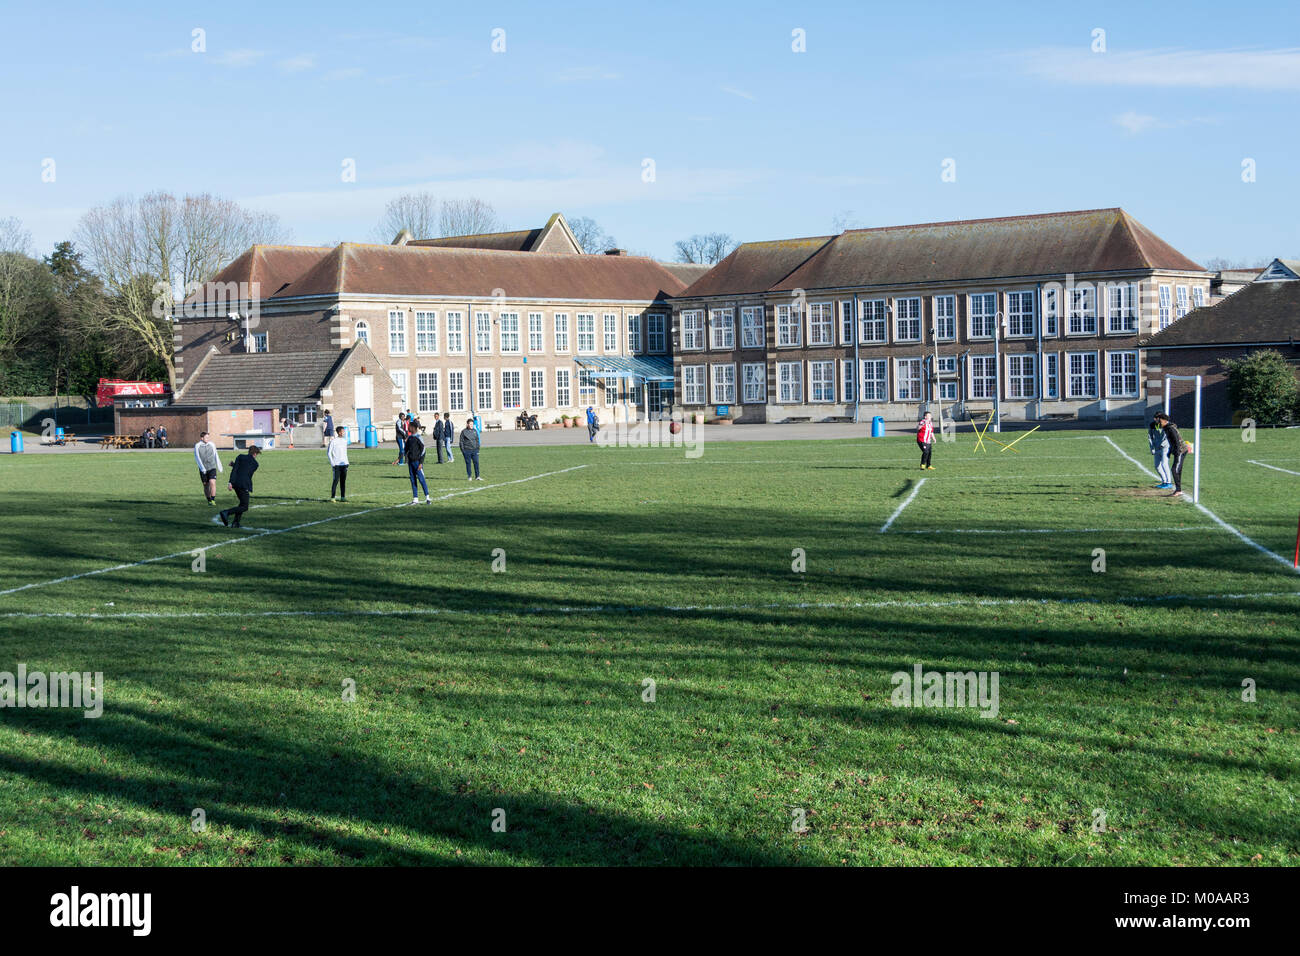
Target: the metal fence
(32, 417)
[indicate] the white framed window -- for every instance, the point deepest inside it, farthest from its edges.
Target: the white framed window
(656, 328)
(872, 318)
(634, 333)
(789, 381)
(483, 388)
(456, 390)
(309, 415)
(693, 390)
(426, 391)
(982, 317)
(875, 380)
(751, 327)
(847, 380)
(722, 329)
(724, 384)
(983, 376)
(260, 342)
(396, 332)
(947, 365)
(1051, 385)
(635, 393)
(754, 379)
(848, 319)
(611, 332)
(1123, 374)
(907, 379)
(483, 332)
(512, 388)
(399, 385)
(509, 333)
(455, 334)
(1121, 308)
(291, 413)
(1020, 315)
(363, 331)
(1181, 292)
(586, 388)
(535, 342)
(948, 391)
(609, 388)
(907, 320)
(1198, 296)
(821, 324)
(1166, 305)
(789, 327)
(563, 386)
(537, 387)
(693, 330)
(586, 332)
(1022, 376)
(821, 381)
(426, 333)
(561, 331)
(945, 318)
(1081, 375)
(1083, 311)
(1051, 311)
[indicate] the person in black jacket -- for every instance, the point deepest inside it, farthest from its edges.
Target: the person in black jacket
(1178, 450)
(437, 438)
(414, 450)
(241, 483)
(469, 444)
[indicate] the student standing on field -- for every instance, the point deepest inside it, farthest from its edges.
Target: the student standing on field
(328, 428)
(1178, 450)
(448, 434)
(438, 444)
(403, 431)
(1159, 445)
(241, 483)
(337, 452)
(469, 445)
(925, 439)
(205, 453)
(414, 450)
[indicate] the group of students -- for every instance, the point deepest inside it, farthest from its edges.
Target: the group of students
(154, 437)
(241, 476)
(412, 449)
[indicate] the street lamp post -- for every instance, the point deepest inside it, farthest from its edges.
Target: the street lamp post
(997, 372)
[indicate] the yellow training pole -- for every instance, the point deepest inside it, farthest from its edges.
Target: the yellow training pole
(1030, 432)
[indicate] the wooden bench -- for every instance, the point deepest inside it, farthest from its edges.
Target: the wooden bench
(492, 426)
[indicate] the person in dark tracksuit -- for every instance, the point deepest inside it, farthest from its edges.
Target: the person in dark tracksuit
(414, 451)
(438, 444)
(448, 434)
(469, 444)
(241, 483)
(1178, 450)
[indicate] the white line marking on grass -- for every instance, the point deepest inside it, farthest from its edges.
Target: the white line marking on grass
(1144, 468)
(1194, 527)
(892, 518)
(1028, 476)
(267, 533)
(1274, 467)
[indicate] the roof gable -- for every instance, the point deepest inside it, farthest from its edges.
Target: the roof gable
(756, 266)
(260, 378)
(1280, 270)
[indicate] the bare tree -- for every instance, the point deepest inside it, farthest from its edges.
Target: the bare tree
(1219, 263)
(149, 251)
(13, 237)
(467, 217)
(591, 238)
(417, 213)
(708, 248)
(844, 219)
(26, 297)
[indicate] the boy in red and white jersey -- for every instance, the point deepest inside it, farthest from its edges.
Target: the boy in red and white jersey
(925, 438)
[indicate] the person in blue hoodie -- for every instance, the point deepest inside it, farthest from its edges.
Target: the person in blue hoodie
(593, 424)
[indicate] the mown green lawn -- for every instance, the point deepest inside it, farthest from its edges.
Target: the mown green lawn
(522, 690)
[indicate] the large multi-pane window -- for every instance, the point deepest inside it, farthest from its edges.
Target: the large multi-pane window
(945, 317)
(399, 386)
(751, 327)
(482, 331)
(983, 318)
(1020, 314)
(875, 380)
(821, 381)
(754, 378)
(693, 386)
(561, 332)
(509, 332)
(848, 319)
(656, 332)
(535, 343)
(426, 333)
(908, 380)
(586, 388)
(634, 333)
(563, 387)
(907, 320)
(396, 332)
(1022, 376)
(1198, 296)
(1121, 310)
(789, 326)
(426, 391)
(1051, 312)
(722, 329)
(1051, 388)
(611, 332)
(1123, 374)
(1083, 310)
(484, 391)
(537, 387)
(456, 391)
(789, 382)
(260, 342)
(1166, 305)
(847, 380)
(724, 384)
(983, 376)
(693, 329)
(363, 331)
(586, 332)
(511, 388)
(821, 324)
(455, 333)
(1081, 374)
(1182, 300)
(872, 319)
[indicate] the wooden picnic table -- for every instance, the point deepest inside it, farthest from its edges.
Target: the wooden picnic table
(119, 441)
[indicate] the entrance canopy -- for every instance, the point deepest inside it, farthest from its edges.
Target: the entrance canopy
(637, 368)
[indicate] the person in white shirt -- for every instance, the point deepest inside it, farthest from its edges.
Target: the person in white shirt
(205, 453)
(337, 451)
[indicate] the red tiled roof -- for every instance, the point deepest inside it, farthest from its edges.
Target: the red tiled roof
(756, 266)
(268, 269)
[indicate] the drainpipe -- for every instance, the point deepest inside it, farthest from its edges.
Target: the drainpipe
(1038, 386)
(857, 365)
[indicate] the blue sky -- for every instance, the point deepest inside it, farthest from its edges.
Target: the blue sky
(747, 136)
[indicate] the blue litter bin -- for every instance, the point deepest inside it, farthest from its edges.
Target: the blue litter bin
(15, 443)
(478, 424)
(878, 427)
(58, 433)
(372, 436)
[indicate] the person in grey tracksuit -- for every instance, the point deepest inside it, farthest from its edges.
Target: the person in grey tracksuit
(1159, 446)
(209, 462)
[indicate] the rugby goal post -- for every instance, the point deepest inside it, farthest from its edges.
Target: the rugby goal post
(1196, 441)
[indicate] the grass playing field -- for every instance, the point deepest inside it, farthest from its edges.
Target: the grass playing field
(771, 737)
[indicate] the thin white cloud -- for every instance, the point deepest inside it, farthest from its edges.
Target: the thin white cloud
(296, 64)
(1203, 69)
(239, 58)
(1136, 122)
(738, 92)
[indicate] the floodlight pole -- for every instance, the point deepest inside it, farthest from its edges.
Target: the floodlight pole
(938, 397)
(1196, 441)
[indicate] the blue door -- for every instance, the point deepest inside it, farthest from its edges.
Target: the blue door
(363, 419)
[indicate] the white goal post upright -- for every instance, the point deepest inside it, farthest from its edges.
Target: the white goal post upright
(1196, 441)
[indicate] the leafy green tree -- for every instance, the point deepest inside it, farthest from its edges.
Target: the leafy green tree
(1263, 384)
